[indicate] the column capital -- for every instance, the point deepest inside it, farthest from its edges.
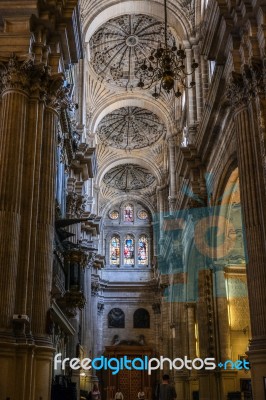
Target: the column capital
(15, 74)
(247, 84)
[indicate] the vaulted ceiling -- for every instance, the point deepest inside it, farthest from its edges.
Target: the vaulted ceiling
(131, 127)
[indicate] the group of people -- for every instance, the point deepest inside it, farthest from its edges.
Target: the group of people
(163, 391)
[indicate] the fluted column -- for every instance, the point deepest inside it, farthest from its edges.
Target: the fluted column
(29, 202)
(198, 80)
(222, 313)
(172, 186)
(204, 77)
(46, 210)
(252, 192)
(12, 137)
(191, 320)
(192, 109)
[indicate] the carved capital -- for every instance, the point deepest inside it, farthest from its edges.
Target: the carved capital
(57, 93)
(77, 256)
(248, 84)
(236, 90)
(15, 74)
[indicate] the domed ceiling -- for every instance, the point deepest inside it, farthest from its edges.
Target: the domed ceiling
(119, 47)
(130, 128)
(128, 177)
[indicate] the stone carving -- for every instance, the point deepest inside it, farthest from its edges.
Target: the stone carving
(130, 128)
(75, 204)
(118, 48)
(129, 342)
(248, 84)
(76, 256)
(115, 340)
(100, 307)
(188, 6)
(95, 287)
(116, 318)
(72, 301)
(15, 74)
(128, 177)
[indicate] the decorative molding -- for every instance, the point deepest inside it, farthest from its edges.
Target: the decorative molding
(130, 128)
(119, 47)
(128, 177)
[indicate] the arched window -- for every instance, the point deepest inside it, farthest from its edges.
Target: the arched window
(128, 213)
(129, 250)
(116, 318)
(141, 318)
(143, 250)
(115, 250)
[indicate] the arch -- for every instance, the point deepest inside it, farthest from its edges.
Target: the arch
(141, 319)
(126, 197)
(116, 318)
(136, 99)
(126, 159)
(177, 20)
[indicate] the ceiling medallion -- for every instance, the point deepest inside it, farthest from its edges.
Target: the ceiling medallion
(132, 40)
(121, 45)
(130, 128)
(128, 177)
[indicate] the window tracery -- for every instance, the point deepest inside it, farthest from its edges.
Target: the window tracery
(143, 250)
(128, 213)
(115, 250)
(129, 250)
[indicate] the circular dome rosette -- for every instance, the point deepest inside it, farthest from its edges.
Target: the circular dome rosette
(128, 177)
(130, 128)
(120, 46)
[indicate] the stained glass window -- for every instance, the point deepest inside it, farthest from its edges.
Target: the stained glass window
(115, 250)
(142, 214)
(143, 250)
(114, 214)
(128, 213)
(129, 250)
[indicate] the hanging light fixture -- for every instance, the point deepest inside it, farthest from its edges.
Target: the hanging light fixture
(164, 67)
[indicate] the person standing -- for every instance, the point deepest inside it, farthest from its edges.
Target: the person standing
(95, 393)
(119, 395)
(141, 394)
(167, 391)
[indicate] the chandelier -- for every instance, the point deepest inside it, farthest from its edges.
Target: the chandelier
(164, 67)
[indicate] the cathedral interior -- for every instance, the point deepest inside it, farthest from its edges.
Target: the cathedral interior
(134, 222)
